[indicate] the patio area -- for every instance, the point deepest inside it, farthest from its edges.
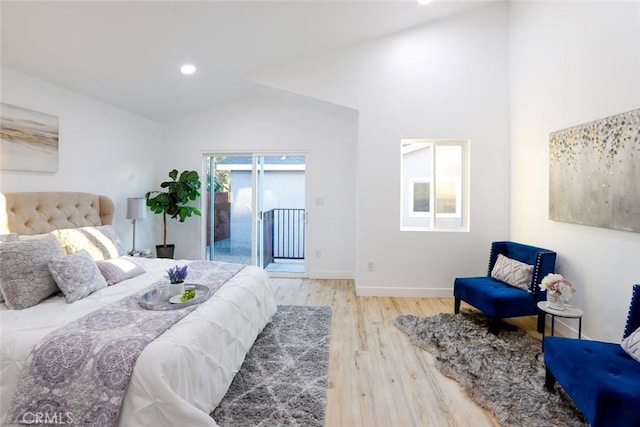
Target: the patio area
(228, 250)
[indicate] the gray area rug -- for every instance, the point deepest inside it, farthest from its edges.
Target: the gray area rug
(502, 373)
(283, 380)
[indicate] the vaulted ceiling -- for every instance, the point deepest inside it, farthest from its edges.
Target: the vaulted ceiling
(128, 53)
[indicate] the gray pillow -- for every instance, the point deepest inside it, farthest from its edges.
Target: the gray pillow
(25, 279)
(11, 237)
(118, 269)
(77, 275)
(4, 238)
(101, 242)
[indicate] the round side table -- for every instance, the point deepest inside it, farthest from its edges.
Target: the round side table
(569, 312)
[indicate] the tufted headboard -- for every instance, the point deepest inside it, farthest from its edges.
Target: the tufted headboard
(42, 212)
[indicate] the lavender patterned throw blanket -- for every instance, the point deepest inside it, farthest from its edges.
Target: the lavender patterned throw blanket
(78, 374)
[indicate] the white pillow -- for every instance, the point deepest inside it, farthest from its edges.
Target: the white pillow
(631, 344)
(101, 242)
(512, 272)
(76, 275)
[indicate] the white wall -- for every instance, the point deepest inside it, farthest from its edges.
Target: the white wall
(571, 63)
(279, 124)
(102, 149)
(448, 79)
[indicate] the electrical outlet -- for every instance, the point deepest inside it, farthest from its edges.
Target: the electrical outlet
(370, 266)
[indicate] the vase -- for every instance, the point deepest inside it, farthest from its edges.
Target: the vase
(176, 288)
(554, 301)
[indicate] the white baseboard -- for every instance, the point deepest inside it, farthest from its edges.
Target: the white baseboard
(336, 275)
(325, 275)
(565, 327)
(404, 292)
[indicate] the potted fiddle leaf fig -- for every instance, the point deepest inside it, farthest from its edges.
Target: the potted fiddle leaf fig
(173, 201)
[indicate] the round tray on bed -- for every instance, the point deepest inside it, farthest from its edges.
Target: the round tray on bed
(158, 298)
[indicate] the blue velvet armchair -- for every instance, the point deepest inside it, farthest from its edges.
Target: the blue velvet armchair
(600, 377)
(500, 300)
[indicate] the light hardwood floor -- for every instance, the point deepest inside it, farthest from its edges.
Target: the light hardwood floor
(376, 376)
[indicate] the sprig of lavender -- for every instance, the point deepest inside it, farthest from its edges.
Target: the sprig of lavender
(177, 274)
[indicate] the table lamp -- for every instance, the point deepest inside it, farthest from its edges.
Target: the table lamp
(136, 209)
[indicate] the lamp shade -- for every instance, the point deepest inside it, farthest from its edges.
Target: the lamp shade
(136, 208)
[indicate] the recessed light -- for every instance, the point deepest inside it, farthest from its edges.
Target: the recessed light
(188, 69)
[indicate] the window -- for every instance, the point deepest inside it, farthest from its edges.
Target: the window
(434, 185)
(420, 197)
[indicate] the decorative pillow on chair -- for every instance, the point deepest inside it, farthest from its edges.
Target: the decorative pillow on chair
(118, 269)
(101, 242)
(25, 279)
(631, 344)
(512, 272)
(77, 275)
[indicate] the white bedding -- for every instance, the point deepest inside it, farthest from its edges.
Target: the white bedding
(181, 376)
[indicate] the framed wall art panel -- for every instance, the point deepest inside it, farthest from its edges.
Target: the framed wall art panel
(28, 140)
(594, 173)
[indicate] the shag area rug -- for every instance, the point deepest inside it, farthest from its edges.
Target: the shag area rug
(502, 373)
(283, 380)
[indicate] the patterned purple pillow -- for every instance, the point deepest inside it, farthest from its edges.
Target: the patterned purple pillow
(4, 238)
(11, 237)
(25, 279)
(118, 269)
(76, 275)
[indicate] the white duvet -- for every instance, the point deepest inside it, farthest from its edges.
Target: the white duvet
(181, 376)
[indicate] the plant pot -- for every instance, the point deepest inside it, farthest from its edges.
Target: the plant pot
(165, 251)
(176, 288)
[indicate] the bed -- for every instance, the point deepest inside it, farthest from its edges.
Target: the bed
(182, 375)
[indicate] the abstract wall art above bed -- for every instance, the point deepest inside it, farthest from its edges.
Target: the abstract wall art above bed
(28, 140)
(594, 173)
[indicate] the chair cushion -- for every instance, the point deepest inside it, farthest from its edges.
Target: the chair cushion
(493, 297)
(602, 380)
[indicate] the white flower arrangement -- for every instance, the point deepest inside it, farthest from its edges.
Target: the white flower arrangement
(556, 284)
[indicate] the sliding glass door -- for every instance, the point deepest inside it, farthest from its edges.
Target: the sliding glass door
(229, 209)
(256, 210)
